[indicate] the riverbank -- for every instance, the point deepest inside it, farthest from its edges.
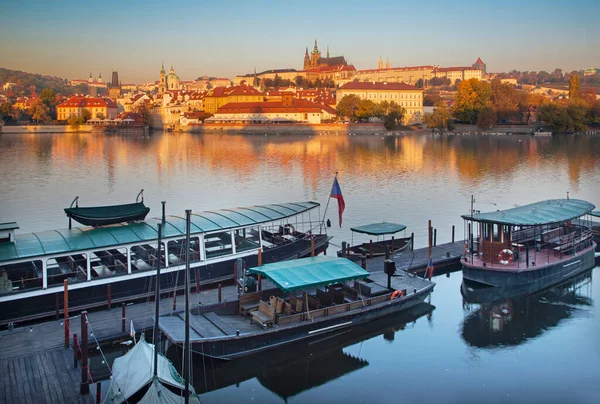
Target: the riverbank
(298, 129)
(44, 129)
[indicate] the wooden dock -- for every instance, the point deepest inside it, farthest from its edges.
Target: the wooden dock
(36, 366)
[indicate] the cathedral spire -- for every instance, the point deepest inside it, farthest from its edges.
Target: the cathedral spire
(316, 47)
(306, 53)
(327, 51)
(162, 70)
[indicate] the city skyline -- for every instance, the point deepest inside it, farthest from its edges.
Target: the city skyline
(231, 38)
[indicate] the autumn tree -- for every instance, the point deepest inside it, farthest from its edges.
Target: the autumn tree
(366, 109)
(48, 97)
(471, 97)
(85, 115)
(5, 111)
(40, 112)
(348, 106)
(574, 87)
(439, 119)
(486, 117)
(100, 115)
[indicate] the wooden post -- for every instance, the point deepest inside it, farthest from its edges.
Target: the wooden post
(220, 293)
(259, 283)
(84, 388)
(66, 312)
(392, 243)
(412, 241)
(235, 272)
(75, 348)
(370, 248)
(57, 306)
(108, 292)
(260, 257)
(197, 280)
(434, 237)
(453, 233)
(312, 247)
(98, 393)
(429, 240)
(123, 317)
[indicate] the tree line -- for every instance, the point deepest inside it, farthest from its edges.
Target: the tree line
(361, 110)
(486, 104)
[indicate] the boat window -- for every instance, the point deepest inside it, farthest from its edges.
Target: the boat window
(246, 239)
(71, 267)
(108, 263)
(21, 277)
(177, 251)
(496, 232)
(143, 257)
(217, 244)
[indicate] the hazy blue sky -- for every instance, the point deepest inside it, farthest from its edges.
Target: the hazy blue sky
(224, 38)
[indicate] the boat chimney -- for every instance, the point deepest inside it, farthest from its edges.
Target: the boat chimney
(7, 232)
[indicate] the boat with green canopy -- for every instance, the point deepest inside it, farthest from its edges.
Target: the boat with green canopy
(311, 298)
(596, 228)
(528, 248)
(379, 247)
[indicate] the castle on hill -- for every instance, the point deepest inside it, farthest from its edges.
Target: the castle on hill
(315, 60)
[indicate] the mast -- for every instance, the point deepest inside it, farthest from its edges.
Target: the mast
(186, 348)
(157, 300)
(327, 205)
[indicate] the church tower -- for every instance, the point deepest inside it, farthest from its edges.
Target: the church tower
(480, 65)
(114, 88)
(162, 84)
(387, 63)
(315, 56)
(380, 63)
(306, 60)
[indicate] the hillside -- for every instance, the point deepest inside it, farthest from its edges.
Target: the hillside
(25, 82)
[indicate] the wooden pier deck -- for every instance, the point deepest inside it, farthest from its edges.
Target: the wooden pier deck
(37, 368)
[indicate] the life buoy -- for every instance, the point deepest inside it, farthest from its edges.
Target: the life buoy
(505, 257)
(397, 293)
(291, 228)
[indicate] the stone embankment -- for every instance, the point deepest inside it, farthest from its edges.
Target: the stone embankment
(296, 129)
(44, 129)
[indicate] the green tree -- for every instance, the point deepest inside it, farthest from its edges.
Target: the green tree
(440, 117)
(85, 115)
(486, 117)
(471, 97)
(505, 100)
(48, 97)
(5, 111)
(100, 115)
(574, 87)
(366, 109)
(40, 112)
(298, 80)
(74, 121)
(348, 106)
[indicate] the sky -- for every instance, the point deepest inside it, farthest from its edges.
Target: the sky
(72, 39)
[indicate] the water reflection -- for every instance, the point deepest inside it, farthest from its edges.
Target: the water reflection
(291, 370)
(508, 322)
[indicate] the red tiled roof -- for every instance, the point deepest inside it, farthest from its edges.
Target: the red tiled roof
(458, 68)
(273, 106)
(85, 102)
(427, 67)
(479, 61)
(358, 85)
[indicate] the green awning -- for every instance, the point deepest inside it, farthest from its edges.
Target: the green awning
(69, 241)
(305, 273)
(595, 213)
(379, 229)
(545, 212)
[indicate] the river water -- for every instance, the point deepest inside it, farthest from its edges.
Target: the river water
(542, 348)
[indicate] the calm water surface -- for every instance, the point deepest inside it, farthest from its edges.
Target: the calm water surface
(543, 348)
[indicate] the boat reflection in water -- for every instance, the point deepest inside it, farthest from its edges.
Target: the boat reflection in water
(511, 321)
(291, 370)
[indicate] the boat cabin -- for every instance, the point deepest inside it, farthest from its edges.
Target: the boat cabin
(380, 246)
(528, 236)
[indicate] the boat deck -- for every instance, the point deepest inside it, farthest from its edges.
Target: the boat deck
(372, 290)
(536, 259)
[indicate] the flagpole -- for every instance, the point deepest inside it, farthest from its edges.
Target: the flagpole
(327, 205)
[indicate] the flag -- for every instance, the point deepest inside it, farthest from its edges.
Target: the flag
(429, 270)
(132, 331)
(336, 192)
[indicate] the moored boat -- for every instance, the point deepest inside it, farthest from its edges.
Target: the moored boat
(116, 261)
(528, 248)
(314, 297)
(355, 252)
(596, 229)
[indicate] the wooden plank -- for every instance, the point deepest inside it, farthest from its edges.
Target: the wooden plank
(203, 326)
(220, 323)
(6, 381)
(44, 389)
(50, 372)
(25, 380)
(18, 392)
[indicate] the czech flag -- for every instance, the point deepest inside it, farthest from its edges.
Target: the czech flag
(336, 192)
(430, 269)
